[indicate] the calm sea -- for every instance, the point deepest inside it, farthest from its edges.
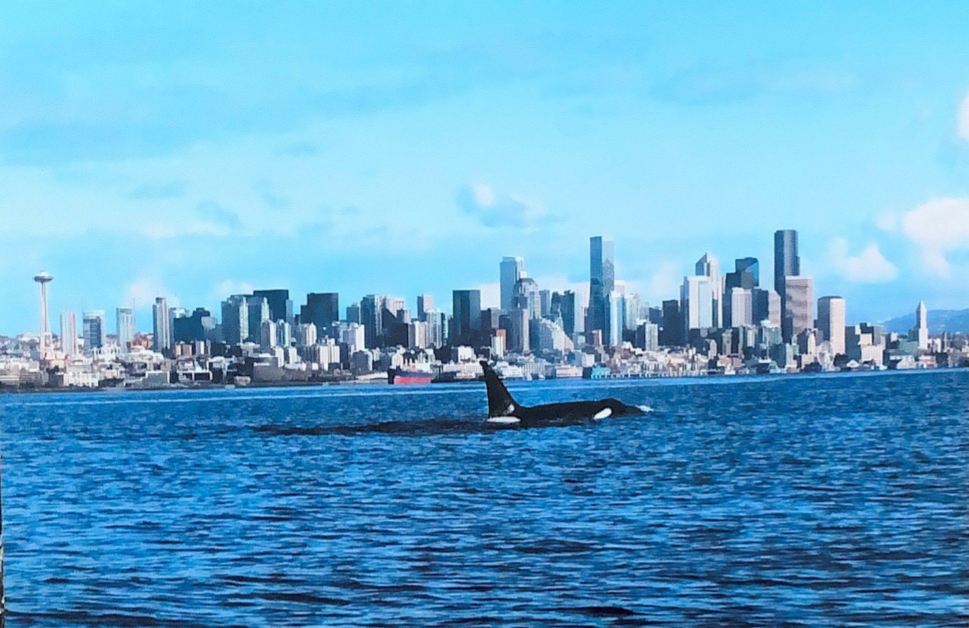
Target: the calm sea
(789, 501)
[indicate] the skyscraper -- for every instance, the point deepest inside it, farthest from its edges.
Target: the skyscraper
(235, 320)
(920, 333)
(602, 280)
(161, 326)
(371, 317)
(740, 307)
(258, 308)
(425, 303)
(94, 330)
(466, 326)
(696, 304)
(746, 275)
(787, 263)
(527, 297)
(615, 319)
(512, 269)
(126, 327)
(69, 333)
(798, 306)
(708, 266)
(767, 307)
(671, 335)
(322, 309)
(831, 322)
(280, 305)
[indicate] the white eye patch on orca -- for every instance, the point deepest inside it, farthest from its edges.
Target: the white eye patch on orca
(602, 414)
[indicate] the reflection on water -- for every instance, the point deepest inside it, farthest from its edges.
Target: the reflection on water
(790, 501)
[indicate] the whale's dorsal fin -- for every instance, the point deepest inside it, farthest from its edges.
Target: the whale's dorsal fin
(500, 402)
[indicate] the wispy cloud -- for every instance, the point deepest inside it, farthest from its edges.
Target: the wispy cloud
(869, 266)
(963, 121)
(499, 210)
(158, 191)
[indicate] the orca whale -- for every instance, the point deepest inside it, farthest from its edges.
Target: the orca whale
(504, 410)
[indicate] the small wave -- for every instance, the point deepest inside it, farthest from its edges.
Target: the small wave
(645, 408)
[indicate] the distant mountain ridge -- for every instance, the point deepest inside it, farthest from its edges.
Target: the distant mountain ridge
(940, 321)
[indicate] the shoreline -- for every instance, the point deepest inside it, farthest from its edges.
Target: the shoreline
(382, 382)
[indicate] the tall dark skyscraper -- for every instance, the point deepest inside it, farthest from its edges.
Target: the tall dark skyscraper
(602, 280)
(322, 309)
(466, 324)
(787, 263)
(280, 306)
(672, 333)
(371, 317)
(563, 307)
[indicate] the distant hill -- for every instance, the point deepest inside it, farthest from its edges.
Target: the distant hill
(940, 321)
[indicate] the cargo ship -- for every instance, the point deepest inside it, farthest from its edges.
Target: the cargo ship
(408, 376)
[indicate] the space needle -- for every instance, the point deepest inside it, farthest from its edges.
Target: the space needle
(43, 278)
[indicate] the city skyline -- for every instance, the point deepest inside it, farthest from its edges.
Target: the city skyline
(323, 308)
(184, 165)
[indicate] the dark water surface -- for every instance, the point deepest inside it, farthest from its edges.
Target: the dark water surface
(802, 501)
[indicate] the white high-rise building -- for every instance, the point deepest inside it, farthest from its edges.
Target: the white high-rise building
(740, 307)
(267, 339)
(696, 303)
(126, 327)
(831, 322)
(69, 344)
(920, 332)
(512, 269)
(708, 266)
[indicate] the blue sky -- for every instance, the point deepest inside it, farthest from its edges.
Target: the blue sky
(192, 150)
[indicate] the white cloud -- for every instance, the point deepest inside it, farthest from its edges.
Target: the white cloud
(664, 283)
(887, 221)
(142, 292)
(963, 122)
(499, 210)
(937, 227)
(228, 287)
(870, 266)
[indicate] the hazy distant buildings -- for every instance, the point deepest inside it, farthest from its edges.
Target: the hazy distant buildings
(69, 343)
(512, 269)
(161, 326)
(615, 319)
(425, 303)
(831, 322)
(787, 262)
(602, 280)
(94, 330)
(466, 314)
(527, 297)
(798, 306)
